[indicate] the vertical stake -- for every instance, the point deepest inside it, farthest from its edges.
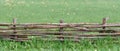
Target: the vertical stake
(61, 30)
(14, 28)
(104, 21)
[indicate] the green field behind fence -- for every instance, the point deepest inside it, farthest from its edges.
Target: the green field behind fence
(54, 10)
(49, 11)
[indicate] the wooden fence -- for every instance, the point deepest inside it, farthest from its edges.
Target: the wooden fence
(59, 31)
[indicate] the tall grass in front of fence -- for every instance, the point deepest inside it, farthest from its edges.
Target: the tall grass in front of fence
(41, 45)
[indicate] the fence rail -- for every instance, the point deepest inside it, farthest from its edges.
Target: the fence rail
(59, 31)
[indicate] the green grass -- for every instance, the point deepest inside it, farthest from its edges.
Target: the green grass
(84, 45)
(54, 10)
(48, 11)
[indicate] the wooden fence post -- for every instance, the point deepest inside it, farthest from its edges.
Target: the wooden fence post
(61, 30)
(104, 21)
(14, 29)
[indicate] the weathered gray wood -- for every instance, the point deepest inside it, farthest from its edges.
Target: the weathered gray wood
(20, 32)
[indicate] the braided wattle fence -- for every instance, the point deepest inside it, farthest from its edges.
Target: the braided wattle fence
(58, 31)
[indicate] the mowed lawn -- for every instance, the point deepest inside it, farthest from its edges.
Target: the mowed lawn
(51, 11)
